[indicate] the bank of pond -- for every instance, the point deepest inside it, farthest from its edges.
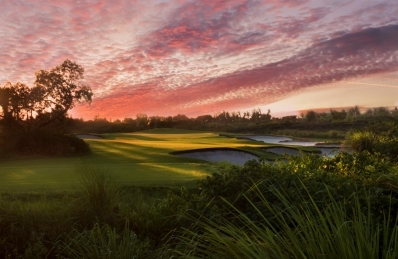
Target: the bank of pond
(280, 146)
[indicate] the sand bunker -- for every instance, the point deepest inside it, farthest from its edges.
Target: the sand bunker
(231, 156)
(87, 136)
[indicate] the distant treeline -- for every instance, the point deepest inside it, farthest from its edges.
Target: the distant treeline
(236, 121)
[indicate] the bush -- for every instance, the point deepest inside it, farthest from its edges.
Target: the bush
(105, 242)
(380, 138)
(41, 142)
(292, 231)
(361, 141)
(341, 176)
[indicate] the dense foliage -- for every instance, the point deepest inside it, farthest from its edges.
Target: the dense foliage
(381, 138)
(32, 119)
(331, 125)
(153, 220)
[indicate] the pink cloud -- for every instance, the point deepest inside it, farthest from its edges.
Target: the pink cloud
(210, 26)
(197, 55)
(345, 57)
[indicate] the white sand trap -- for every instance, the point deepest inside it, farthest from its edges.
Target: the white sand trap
(231, 156)
(87, 136)
(283, 151)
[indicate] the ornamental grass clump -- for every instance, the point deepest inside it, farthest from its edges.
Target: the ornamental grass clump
(100, 194)
(105, 243)
(361, 140)
(294, 230)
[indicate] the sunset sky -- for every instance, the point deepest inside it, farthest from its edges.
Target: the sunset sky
(204, 56)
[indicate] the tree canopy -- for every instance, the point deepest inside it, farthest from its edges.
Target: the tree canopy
(32, 119)
(53, 94)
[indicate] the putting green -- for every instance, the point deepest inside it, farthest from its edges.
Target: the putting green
(141, 158)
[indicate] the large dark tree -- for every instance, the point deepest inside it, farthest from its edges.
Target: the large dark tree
(54, 93)
(33, 110)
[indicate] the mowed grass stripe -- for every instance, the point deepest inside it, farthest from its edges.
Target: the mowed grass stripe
(136, 158)
(138, 174)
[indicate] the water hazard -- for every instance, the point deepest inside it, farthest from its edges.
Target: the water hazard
(326, 150)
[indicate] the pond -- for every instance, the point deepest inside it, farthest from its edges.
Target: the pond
(326, 150)
(240, 157)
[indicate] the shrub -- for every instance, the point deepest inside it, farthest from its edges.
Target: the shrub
(41, 142)
(380, 138)
(342, 175)
(105, 242)
(292, 231)
(361, 141)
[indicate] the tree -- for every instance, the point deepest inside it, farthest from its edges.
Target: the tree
(381, 111)
(256, 115)
(266, 117)
(353, 112)
(54, 93)
(204, 119)
(141, 120)
(180, 118)
(336, 115)
(310, 116)
(394, 112)
(32, 119)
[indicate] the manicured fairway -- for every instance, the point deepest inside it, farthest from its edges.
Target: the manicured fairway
(141, 158)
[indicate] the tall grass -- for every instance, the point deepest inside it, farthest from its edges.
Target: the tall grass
(294, 231)
(101, 193)
(106, 243)
(31, 224)
(361, 140)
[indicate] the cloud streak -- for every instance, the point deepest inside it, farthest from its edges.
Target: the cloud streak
(194, 57)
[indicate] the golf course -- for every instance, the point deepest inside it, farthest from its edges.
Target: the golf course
(140, 158)
(141, 195)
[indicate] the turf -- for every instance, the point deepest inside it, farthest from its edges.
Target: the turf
(141, 158)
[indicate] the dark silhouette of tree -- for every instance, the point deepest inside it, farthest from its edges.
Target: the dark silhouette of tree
(32, 119)
(180, 118)
(353, 112)
(381, 111)
(338, 116)
(246, 115)
(54, 93)
(204, 119)
(310, 116)
(142, 120)
(223, 117)
(256, 115)
(394, 112)
(267, 116)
